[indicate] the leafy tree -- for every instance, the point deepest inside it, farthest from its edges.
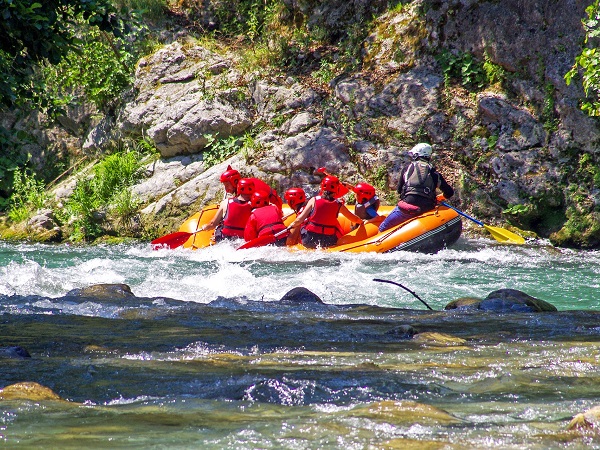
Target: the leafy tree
(34, 32)
(588, 62)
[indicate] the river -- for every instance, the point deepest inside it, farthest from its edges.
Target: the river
(205, 356)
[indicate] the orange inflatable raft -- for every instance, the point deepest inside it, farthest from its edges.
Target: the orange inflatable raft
(429, 233)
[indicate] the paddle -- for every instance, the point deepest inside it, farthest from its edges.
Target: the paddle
(500, 234)
(265, 239)
(173, 240)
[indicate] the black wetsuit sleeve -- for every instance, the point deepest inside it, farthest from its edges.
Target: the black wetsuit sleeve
(446, 189)
(401, 181)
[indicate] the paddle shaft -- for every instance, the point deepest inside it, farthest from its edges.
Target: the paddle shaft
(463, 214)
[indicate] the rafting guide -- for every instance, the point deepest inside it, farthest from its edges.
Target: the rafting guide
(417, 187)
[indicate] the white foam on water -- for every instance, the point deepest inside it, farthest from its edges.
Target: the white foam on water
(471, 268)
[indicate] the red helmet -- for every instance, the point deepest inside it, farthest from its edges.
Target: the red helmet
(363, 192)
(295, 196)
(259, 198)
(330, 183)
(245, 186)
(231, 175)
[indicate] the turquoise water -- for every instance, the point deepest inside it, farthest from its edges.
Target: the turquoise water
(204, 356)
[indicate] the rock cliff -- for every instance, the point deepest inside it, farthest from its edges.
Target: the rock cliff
(483, 81)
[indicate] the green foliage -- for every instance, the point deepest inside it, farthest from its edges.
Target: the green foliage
(587, 63)
(462, 67)
(11, 159)
(218, 150)
(108, 187)
(380, 178)
(327, 71)
(150, 9)
(493, 72)
(518, 209)
(28, 195)
(548, 116)
(102, 68)
(32, 32)
(588, 171)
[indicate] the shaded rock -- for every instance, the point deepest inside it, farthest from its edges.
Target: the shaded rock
(15, 352)
(464, 303)
(28, 390)
(513, 300)
(103, 291)
(402, 332)
(404, 412)
(300, 295)
(586, 421)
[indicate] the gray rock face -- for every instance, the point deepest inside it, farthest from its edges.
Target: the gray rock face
(173, 105)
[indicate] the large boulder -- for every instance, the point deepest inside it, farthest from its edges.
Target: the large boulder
(179, 102)
(503, 300)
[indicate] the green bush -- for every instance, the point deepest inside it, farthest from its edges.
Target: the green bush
(28, 195)
(108, 187)
(464, 68)
(587, 63)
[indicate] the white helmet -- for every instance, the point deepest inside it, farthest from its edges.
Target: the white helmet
(421, 150)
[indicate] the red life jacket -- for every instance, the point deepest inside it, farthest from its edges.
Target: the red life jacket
(264, 220)
(236, 217)
(323, 219)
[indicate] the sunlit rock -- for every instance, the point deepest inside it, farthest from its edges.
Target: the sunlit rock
(509, 300)
(103, 291)
(14, 352)
(464, 303)
(300, 295)
(404, 412)
(431, 337)
(28, 390)
(586, 421)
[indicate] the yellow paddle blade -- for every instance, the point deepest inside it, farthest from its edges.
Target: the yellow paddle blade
(502, 235)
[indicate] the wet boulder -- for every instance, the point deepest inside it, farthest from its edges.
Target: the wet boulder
(513, 300)
(464, 303)
(503, 300)
(300, 295)
(103, 291)
(14, 352)
(28, 390)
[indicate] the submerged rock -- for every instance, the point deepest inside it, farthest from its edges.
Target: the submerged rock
(28, 390)
(503, 300)
(402, 332)
(15, 352)
(586, 421)
(404, 412)
(440, 339)
(300, 295)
